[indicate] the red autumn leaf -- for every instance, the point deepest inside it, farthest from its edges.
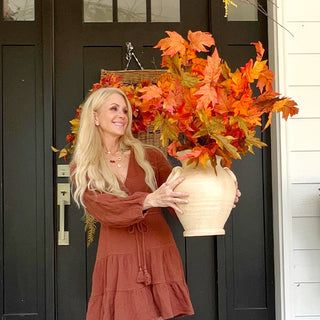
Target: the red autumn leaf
(110, 80)
(259, 49)
(172, 148)
(78, 115)
(199, 40)
(172, 44)
(96, 86)
(70, 137)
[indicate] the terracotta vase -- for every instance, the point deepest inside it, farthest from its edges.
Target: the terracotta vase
(211, 197)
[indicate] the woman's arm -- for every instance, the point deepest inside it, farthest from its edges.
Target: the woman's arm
(113, 210)
(164, 196)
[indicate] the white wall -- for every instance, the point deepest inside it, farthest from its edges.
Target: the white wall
(296, 161)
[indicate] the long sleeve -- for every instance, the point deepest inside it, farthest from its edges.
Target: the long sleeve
(115, 211)
(162, 170)
(161, 166)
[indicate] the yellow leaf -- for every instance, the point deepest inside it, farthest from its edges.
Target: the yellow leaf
(224, 143)
(241, 123)
(158, 122)
(204, 157)
(174, 65)
(54, 149)
(211, 126)
(225, 70)
(251, 141)
(75, 130)
(75, 122)
(167, 128)
(257, 68)
(188, 80)
(63, 153)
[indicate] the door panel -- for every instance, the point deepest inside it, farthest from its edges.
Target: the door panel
(81, 50)
(22, 185)
(245, 254)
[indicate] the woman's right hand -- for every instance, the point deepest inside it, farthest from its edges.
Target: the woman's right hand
(166, 196)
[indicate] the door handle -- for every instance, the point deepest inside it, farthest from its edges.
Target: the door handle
(63, 199)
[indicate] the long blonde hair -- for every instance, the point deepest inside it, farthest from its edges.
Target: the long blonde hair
(91, 168)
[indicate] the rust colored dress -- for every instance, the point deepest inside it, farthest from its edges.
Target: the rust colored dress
(138, 273)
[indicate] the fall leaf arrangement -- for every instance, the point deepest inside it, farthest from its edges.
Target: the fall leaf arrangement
(199, 104)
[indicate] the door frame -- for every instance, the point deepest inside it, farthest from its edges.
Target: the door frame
(282, 222)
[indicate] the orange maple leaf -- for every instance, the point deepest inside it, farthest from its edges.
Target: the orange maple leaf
(198, 40)
(198, 65)
(259, 49)
(287, 107)
(151, 92)
(224, 104)
(265, 80)
(213, 69)
(172, 44)
(284, 105)
(208, 91)
(241, 106)
(166, 82)
(237, 83)
(208, 94)
(252, 70)
(170, 102)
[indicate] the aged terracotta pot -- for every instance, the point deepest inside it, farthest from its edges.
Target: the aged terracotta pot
(211, 197)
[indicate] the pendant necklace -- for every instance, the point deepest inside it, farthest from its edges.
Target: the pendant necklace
(116, 160)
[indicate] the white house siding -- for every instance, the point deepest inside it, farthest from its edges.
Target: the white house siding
(298, 60)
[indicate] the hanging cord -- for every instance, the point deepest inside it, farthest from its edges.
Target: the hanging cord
(131, 54)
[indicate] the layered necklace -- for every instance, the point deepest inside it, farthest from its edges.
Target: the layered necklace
(117, 160)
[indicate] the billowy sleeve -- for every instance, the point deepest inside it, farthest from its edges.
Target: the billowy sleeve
(115, 211)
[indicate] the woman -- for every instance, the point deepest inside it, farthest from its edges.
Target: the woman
(138, 273)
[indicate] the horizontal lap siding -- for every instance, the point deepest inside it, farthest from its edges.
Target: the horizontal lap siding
(303, 145)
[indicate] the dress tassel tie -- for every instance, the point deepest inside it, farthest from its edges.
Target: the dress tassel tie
(143, 274)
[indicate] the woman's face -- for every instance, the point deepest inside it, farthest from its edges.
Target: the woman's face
(112, 116)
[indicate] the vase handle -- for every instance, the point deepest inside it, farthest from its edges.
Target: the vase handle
(233, 176)
(174, 175)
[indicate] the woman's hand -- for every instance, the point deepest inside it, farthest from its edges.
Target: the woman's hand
(238, 195)
(165, 196)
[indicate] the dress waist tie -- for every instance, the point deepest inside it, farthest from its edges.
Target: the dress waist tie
(139, 229)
